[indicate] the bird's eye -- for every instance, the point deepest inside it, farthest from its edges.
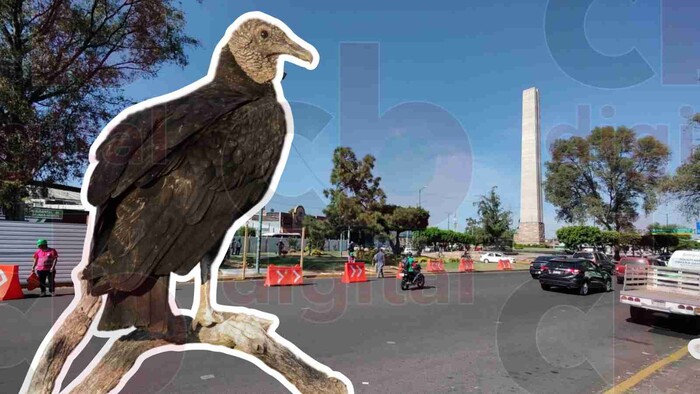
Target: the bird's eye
(264, 33)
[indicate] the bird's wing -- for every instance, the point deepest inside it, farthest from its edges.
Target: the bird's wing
(169, 225)
(139, 146)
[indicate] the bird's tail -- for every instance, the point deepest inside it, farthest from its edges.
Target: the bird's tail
(146, 308)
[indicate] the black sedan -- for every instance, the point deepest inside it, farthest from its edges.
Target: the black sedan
(539, 262)
(579, 274)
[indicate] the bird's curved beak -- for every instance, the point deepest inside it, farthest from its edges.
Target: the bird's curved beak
(291, 48)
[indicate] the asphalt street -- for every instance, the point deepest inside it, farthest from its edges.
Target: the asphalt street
(495, 332)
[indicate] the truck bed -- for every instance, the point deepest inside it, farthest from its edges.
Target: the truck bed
(676, 298)
(662, 289)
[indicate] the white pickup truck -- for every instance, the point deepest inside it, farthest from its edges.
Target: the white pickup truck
(672, 290)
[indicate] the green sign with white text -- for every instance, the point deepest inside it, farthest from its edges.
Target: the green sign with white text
(672, 231)
(44, 213)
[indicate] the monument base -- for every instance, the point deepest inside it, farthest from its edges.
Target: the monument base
(530, 233)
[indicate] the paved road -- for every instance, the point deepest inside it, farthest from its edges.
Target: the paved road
(465, 333)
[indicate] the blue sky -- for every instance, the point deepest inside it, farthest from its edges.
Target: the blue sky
(448, 84)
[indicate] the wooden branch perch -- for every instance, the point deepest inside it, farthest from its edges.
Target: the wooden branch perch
(63, 342)
(240, 331)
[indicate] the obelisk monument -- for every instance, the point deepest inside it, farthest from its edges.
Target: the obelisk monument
(531, 227)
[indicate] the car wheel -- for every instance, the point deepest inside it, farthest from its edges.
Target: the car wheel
(583, 290)
(534, 276)
(608, 285)
(486, 261)
(545, 287)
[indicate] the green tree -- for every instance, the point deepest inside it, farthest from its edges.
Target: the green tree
(687, 244)
(356, 199)
(612, 239)
(606, 176)
(495, 220)
(684, 186)
(476, 231)
(317, 232)
(630, 240)
(432, 235)
(62, 69)
(399, 219)
(574, 237)
(658, 241)
(419, 241)
(241, 232)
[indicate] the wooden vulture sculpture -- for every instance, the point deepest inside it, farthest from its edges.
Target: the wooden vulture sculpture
(172, 179)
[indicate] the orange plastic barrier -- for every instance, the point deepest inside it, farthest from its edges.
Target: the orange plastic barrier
(504, 265)
(9, 283)
(282, 276)
(466, 265)
(436, 266)
(354, 272)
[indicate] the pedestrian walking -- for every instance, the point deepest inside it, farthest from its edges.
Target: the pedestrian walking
(237, 247)
(378, 261)
(351, 251)
(280, 247)
(44, 266)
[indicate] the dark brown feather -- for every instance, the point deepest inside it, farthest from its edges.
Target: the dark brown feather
(202, 161)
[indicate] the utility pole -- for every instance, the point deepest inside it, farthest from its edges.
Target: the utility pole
(301, 259)
(257, 252)
(419, 190)
(448, 220)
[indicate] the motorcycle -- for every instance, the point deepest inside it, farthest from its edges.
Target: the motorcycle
(415, 278)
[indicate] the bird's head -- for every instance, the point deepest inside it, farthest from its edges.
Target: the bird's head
(257, 45)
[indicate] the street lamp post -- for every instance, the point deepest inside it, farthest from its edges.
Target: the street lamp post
(419, 190)
(257, 253)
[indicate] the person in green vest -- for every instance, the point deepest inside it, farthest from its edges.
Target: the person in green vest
(408, 266)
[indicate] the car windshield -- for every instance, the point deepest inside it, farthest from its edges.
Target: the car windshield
(584, 255)
(543, 259)
(556, 264)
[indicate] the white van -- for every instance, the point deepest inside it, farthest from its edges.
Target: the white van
(685, 259)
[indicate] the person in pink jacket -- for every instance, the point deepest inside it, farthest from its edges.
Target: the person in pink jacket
(45, 260)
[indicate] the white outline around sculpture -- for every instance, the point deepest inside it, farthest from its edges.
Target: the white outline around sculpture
(113, 336)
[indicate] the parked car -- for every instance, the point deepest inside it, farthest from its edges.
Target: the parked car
(536, 265)
(662, 259)
(598, 258)
(410, 250)
(493, 257)
(620, 268)
(580, 274)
